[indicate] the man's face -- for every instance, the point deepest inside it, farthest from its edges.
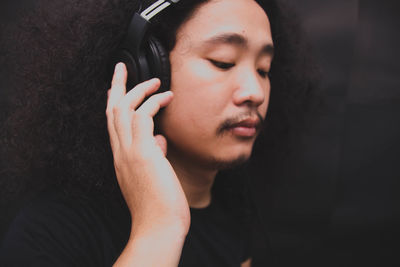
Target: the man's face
(219, 69)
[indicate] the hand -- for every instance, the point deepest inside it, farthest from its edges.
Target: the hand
(147, 180)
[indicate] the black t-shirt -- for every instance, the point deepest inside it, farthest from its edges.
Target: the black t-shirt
(66, 231)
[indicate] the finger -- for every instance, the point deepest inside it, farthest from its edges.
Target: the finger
(118, 121)
(148, 110)
(118, 85)
(114, 94)
(154, 103)
(135, 97)
(122, 121)
(109, 114)
(112, 133)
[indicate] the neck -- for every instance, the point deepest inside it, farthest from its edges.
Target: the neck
(195, 180)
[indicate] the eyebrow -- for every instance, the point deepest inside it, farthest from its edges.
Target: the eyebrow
(238, 40)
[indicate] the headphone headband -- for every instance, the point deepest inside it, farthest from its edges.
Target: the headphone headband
(139, 24)
(143, 55)
(156, 8)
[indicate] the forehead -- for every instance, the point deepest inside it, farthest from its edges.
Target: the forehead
(215, 17)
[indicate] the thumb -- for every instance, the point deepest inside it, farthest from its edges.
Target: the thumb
(162, 143)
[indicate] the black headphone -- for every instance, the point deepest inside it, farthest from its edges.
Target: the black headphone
(142, 53)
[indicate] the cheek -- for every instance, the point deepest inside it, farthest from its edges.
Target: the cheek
(193, 110)
(265, 105)
(191, 71)
(198, 91)
(198, 104)
(263, 108)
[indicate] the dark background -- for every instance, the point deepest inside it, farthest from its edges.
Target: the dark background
(336, 199)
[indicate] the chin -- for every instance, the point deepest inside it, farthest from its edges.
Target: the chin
(227, 163)
(227, 157)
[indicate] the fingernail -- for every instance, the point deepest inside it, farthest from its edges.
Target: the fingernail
(118, 67)
(154, 80)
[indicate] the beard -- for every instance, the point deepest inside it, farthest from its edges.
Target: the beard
(224, 164)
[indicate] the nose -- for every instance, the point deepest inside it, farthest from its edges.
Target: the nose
(251, 89)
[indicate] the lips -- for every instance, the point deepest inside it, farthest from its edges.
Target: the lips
(248, 123)
(246, 128)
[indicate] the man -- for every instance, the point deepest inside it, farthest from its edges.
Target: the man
(212, 114)
(221, 90)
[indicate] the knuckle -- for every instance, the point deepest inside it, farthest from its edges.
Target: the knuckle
(114, 83)
(116, 110)
(137, 116)
(117, 85)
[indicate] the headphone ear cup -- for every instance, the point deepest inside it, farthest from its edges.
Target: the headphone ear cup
(131, 66)
(158, 59)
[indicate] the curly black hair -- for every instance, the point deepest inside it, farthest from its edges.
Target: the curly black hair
(54, 134)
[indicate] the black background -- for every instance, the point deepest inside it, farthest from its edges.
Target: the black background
(336, 200)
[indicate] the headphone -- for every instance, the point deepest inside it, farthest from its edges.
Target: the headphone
(144, 55)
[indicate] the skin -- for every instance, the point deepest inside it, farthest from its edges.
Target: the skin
(215, 82)
(205, 95)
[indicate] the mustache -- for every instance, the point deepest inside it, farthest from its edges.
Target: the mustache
(231, 122)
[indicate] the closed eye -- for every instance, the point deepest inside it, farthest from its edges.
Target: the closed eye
(222, 65)
(263, 73)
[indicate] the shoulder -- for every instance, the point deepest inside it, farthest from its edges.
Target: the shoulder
(62, 230)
